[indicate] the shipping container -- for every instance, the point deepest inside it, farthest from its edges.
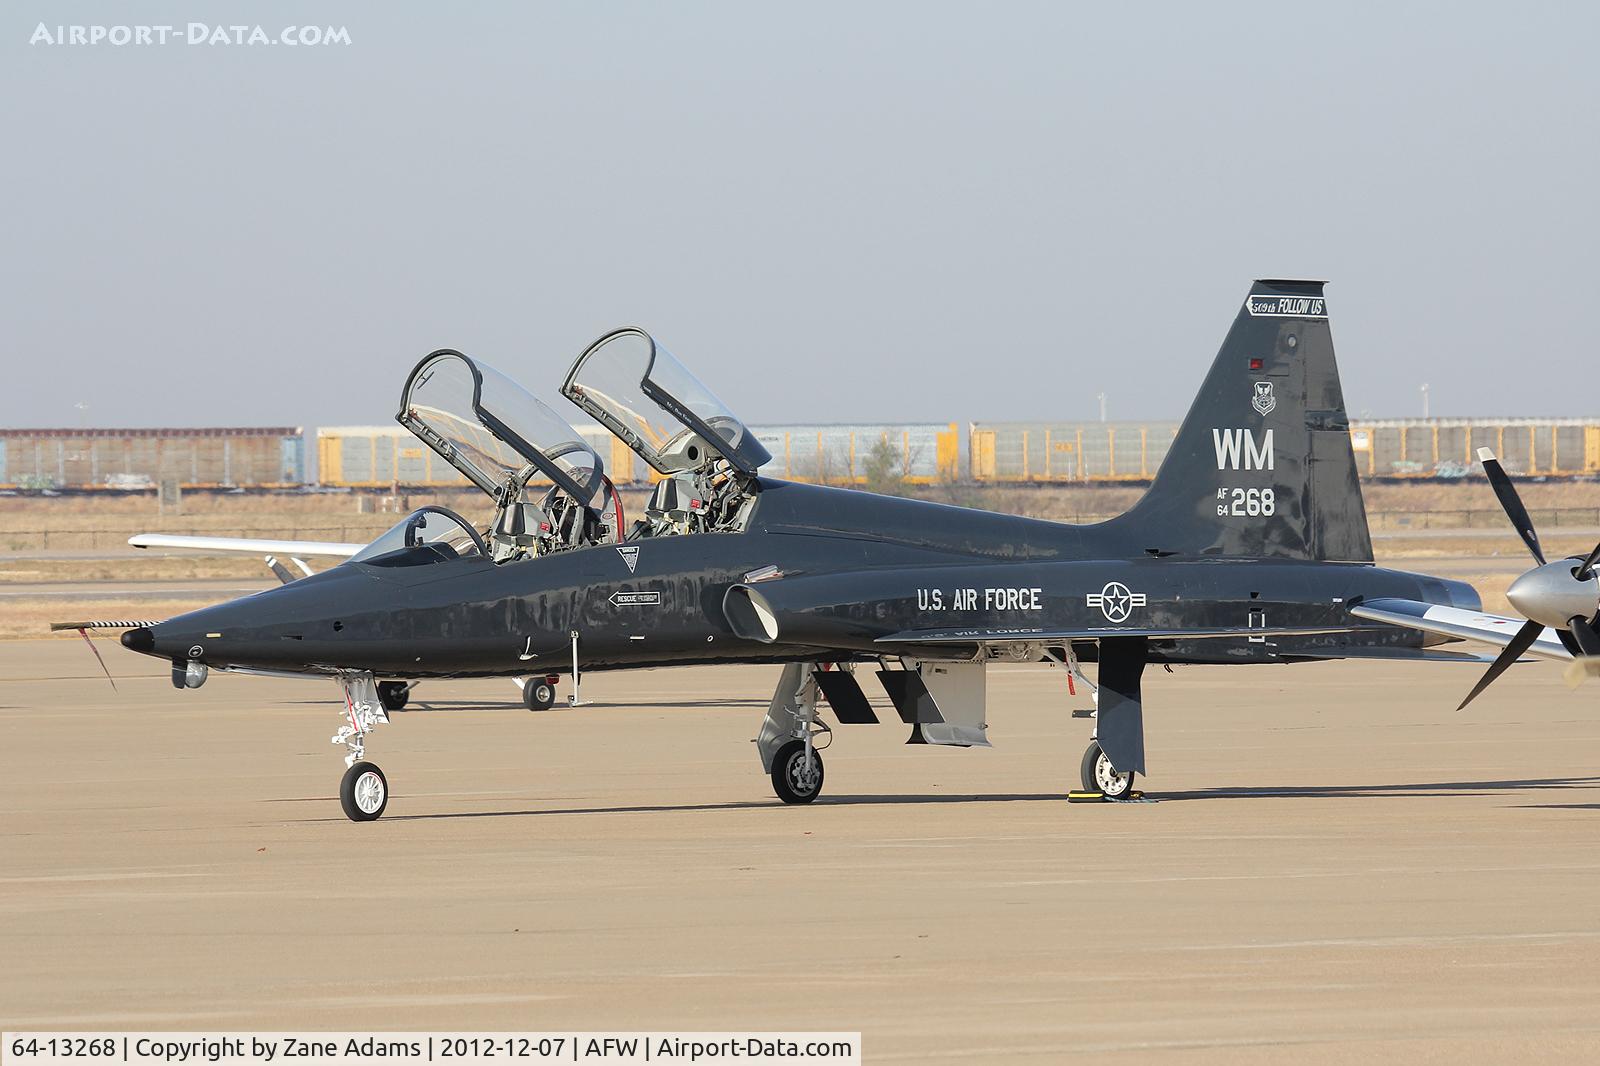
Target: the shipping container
(270, 457)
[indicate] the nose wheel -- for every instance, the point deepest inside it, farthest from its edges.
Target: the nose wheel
(364, 792)
(1100, 776)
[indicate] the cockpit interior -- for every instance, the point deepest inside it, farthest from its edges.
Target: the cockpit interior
(549, 486)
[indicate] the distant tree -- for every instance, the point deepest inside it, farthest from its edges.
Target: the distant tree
(882, 469)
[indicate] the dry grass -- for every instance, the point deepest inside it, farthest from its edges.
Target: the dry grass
(1488, 543)
(25, 619)
(1492, 589)
(137, 566)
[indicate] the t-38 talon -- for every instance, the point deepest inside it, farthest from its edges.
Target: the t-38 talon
(1251, 546)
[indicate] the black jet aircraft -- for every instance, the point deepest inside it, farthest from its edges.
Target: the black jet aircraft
(1250, 546)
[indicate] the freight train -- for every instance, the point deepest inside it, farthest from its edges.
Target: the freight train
(386, 457)
(123, 459)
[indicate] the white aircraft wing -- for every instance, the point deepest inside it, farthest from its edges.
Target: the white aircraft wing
(243, 544)
(1454, 622)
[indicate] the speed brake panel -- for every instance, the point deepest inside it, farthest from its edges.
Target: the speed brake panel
(943, 702)
(844, 695)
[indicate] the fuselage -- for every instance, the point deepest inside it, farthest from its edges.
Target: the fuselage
(858, 565)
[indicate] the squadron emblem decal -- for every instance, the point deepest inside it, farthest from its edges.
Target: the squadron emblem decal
(1115, 601)
(1262, 399)
(630, 555)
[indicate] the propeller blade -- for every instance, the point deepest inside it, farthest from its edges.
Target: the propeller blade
(1520, 643)
(1506, 492)
(1583, 633)
(1588, 564)
(1581, 669)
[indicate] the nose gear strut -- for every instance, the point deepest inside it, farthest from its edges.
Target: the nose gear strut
(364, 792)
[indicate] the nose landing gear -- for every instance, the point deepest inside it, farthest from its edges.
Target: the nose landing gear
(364, 792)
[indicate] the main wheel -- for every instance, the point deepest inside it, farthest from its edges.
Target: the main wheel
(792, 779)
(393, 694)
(538, 694)
(1100, 776)
(364, 792)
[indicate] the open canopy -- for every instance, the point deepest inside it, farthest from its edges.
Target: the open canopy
(636, 389)
(490, 428)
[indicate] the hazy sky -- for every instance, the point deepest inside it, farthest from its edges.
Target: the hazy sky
(831, 212)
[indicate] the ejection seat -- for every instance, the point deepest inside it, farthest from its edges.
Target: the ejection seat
(517, 531)
(668, 508)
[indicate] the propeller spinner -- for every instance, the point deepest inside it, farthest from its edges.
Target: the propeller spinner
(1563, 595)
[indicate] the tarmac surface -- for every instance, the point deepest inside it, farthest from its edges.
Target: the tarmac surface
(1339, 868)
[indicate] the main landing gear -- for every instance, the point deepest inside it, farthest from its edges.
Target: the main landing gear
(364, 792)
(1118, 738)
(789, 734)
(539, 693)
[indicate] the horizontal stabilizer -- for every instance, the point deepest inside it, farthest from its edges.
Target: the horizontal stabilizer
(1454, 622)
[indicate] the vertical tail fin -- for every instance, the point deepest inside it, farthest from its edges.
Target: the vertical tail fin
(1262, 464)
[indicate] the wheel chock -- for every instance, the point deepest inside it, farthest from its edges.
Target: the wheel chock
(1100, 797)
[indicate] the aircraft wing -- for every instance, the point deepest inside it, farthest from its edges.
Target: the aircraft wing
(1454, 622)
(244, 544)
(972, 636)
(1384, 653)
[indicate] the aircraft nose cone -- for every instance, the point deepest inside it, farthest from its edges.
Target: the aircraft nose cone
(140, 640)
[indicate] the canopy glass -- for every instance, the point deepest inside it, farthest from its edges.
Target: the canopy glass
(492, 430)
(638, 390)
